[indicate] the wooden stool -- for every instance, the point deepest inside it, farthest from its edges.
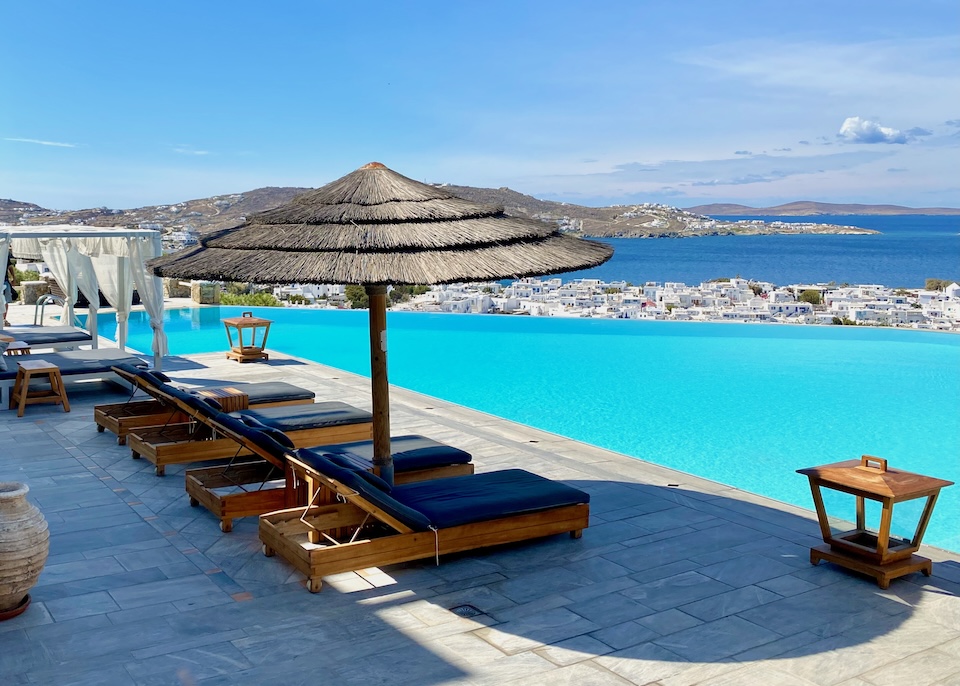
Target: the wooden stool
(23, 396)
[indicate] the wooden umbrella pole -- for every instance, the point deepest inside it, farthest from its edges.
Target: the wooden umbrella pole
(380, 387)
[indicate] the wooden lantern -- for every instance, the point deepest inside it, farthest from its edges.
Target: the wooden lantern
(247, 326)
(873, 553)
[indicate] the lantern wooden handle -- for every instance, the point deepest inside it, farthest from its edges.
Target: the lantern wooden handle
(871, 462)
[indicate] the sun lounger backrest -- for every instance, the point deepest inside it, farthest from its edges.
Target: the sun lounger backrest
(185, 401)
(368, 491)
(128, 373)
(268, 443)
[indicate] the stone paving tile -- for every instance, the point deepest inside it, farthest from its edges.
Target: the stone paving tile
(745, 570)
(927, 667)
(76, 606)
(573, 650)
(536, 629)
(624, 635)
(668, 622)
(729, 603)
(83, 673)
(153, 557)
(644, 663)
(187, 666)
(163, 591)
(98, 583)
(75, 571)
(676, 590)
(713, 641)
(610, 609)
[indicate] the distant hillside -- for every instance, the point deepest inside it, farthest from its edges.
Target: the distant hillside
(646, 220)
(806, 208)
(204, 214)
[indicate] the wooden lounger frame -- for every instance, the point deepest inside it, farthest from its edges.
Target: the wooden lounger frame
(183, 443)
(319, 540)
(123, 418)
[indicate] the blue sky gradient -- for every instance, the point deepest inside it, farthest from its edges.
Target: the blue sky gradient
(684, 102)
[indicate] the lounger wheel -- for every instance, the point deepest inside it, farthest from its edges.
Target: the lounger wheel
(268, 551)
(161, 470)
(314, 585)
(226, 525)
(134, 454)
(194, 502)
(121, 440)
(100, 428)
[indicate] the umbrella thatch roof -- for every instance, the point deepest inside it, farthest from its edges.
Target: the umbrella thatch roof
(377, 227)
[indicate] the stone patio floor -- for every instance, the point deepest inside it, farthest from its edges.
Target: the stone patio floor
(678, 580)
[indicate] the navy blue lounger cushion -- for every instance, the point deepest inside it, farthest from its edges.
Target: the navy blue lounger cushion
(275, 443)
(47, 335)
(409, 452)
(444, 503)
(72, 362)
(259, 392)
(481, 497)
(270, 391)
(314, 416)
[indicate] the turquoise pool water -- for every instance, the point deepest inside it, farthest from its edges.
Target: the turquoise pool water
(741, 404)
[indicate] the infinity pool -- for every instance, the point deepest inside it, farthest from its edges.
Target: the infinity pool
(744, 405)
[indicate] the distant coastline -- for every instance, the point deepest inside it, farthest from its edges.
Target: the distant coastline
(809, 208)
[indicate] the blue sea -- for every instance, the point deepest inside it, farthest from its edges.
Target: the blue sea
(909, 250)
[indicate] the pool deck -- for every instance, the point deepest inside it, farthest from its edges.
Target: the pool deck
(678, 580)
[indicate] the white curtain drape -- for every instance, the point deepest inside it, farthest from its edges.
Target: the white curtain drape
(54, 252)
(150, 289)
(113, 273)
(4, 251)
(4, 248)
(113, 261)
(82, 268)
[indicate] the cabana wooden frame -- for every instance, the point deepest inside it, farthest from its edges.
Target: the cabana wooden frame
(26, 238)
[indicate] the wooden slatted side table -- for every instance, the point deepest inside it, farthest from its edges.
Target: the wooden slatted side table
(873, 553)
(23, 396)
(230, 399)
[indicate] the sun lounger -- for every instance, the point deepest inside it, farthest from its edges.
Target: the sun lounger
(247, 488)
(54, 337)
(74, 365)
(378, 525)
(197, 441)
(122, 418)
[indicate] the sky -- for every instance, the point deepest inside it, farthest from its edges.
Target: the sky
(682, 102)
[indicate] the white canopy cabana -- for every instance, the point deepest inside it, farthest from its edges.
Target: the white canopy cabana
(93, 258)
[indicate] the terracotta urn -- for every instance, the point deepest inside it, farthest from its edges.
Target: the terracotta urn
(24, 543)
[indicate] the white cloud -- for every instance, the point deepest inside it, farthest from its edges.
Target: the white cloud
(184, 149)
(857, 130)
(38, 142)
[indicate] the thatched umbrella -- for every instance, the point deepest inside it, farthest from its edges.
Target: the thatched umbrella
(375, 227)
